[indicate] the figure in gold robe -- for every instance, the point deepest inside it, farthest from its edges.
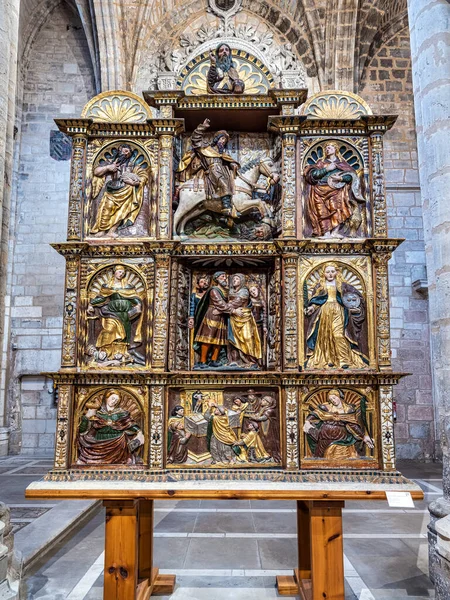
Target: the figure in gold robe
(335, 316)
(120, 307)
(109, 435)
(267, 418)
(333, 429)
(250, 447)
(121, 184)
(335, 195)
(245, 348)
(220, 436)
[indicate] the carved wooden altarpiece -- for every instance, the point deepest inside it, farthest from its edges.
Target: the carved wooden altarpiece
(209, 337)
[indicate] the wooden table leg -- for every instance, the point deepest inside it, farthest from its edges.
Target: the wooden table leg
(121, 550)
(129, 572)
(289, 585)
(320, 572)
(150, 581)
(327, 551)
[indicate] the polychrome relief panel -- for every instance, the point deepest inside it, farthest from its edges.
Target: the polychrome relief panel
(237, 427)
(119, 190)
(227, 186)
(340, 428)
(335, 188)
(110, 427)
(228, 320)
(115, 322)
(338, 331)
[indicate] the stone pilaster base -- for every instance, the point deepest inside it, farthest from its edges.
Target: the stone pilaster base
(439, 547)
(4, 441)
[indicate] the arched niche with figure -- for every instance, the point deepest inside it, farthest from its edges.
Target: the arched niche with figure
(338, 316)
(115, 319)
(110, 427)
(335, 190)
(119, 191)
(339, 428)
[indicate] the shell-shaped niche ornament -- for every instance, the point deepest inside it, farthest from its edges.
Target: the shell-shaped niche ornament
(117, 107)
(335, 104)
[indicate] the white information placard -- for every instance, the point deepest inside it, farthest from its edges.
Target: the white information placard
(400, 499)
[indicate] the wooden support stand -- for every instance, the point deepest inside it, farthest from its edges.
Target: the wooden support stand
(320, 572)
(129, 572)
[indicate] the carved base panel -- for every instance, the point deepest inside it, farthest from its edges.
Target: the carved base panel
(202, 422)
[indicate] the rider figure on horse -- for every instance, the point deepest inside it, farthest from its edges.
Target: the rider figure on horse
(219, 169)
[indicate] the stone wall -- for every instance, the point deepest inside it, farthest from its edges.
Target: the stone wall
(58, 82)
(387, 87)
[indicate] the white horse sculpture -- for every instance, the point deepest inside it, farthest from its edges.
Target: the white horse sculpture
(193, 200)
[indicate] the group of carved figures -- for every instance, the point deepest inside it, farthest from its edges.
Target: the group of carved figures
(234, 428)
(227, 323)
(217, 198)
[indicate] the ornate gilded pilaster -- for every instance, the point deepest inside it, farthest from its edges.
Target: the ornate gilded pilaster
(71, 299)
(288, 126)
(290, 310)
(166, 129)
(387, 428)
(378, 186)
(62, 427)
(382, 309)
(77, 181)
(292, 428)
(156, 426)
(161, 312)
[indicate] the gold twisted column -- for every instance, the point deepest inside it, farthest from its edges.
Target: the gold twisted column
(77, 182)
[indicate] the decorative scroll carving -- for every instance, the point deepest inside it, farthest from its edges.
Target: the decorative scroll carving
(117, 107)
(62, 427)
(76, 186)
(156, 426)
(335, 104)
(69, 343)
(378, 186)
(290, 303)
(289, 216)
(382, 303)
(274, 319)
(161, 311)
(292, 428)
(165, 185)
(387, 428)
(180, 334)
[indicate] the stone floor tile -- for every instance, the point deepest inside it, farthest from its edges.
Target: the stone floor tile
(278, 554)
(175, 522)
(224, 523)
(275, 522)
(219, 553)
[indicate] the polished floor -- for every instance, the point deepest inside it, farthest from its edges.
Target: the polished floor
(234, 549)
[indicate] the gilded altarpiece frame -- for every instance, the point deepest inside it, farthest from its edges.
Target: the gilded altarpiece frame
(134, 384)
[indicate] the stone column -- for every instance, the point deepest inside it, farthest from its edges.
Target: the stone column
(430, 49)
(9, 35)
